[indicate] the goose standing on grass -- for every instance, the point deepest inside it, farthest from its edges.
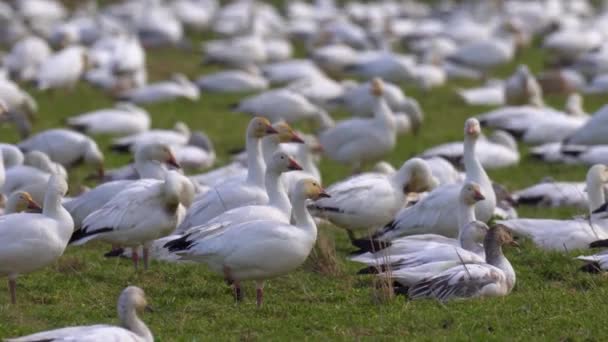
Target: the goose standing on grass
(435, 212)
(178, 87)
(123, 119)
(63, 69)
(132, 301)
(357, 141)
(349, 206)
(566, 235)
(66, 147)
(33, 241)
(495, 278)
(137, 215)
(232, 81)
(257, 250)
(151, 162)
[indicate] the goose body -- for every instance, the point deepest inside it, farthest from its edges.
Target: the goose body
(178, 87)
(180, 135)
(123, 119)
(232, 81)
(553, 194)
(26, 56)
(62, 69)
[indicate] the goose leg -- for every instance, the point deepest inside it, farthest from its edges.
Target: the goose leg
(259, 292)
(135, 257)
(238, 293)
(146, 257)
(12, 287)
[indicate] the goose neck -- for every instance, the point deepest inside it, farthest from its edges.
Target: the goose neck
(255, 163)
(131, 322)
(383, 113)
(595, 192)
(466, 215)
(302, 217)
(150, 169)
(277, 196)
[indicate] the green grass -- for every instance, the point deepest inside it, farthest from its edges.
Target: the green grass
(551, 300)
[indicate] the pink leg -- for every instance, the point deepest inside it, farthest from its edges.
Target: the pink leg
(259, 291)
(146, 257)
(135, 257)
(238, 293)
(12, 287)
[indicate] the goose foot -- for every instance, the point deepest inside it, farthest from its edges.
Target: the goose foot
(259, 294)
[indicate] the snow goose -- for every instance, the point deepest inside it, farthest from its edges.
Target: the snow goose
(485, 54)
(131, 301)
(444, 171)
(66, 147)
(123, 119)
(495, 278)
(334, 58)
(497, 151)
(25, 58)
(386, 65)
(593, 131)
(257, 250)
(230, 81)
(136, 216)
(36, 171)
(553, 194)
(62, 69)
(566, 235)
(307, 156)
(179, 135)
(20, 201)
(32, 241)
(434, 213)
(290, 71)
(239, 190)
(150, 163)
(348, 206)
(178, 87)
(11, 155)
(490, 94)
(522, 88)
(318, 89)
(282, 104)
(357, 141)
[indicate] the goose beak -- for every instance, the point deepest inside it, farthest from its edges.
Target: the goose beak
(173, 162)
(32, 205)
(293, 165)
(323, 194)
(271, 130)
(296, 139)
(478, 196)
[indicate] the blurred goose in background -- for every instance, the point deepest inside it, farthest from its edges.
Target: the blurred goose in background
(552, 193)
(25, 58)
(131, 301)
(522, 89)
(63, 69)
(492, 93)
(593, 131)
(179, 135)
(566, 235)
(66, 147)
(495, 278)
(355, 142)
(33, 241)
(178, 87)
(386, 65)
(497, 151)
(11, 155)
(434, 212)
(349, 206)
(32, 176)
(318, 89)
(123, 119)
(256, 250)
(143, 212)
(232, 81)
(290, 71)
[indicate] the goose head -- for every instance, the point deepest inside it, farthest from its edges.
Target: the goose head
(21, 201)
(158, 152)
(310, 188)
(472, 128)
(498, 236)
(286, 134)
(471, 193)
(377, 87)
(281, 162)
(415, 175)
(93, 156)
(260, 127)
(132, 299)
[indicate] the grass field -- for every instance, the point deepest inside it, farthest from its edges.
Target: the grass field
(551, 300)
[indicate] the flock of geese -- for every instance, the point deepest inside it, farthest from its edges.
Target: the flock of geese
(436, 225)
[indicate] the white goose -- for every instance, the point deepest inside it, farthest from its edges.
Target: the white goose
(492, 93)
(495, 278)
(25, 58)
(11, 154)
(62, 69)
(20, 201)
(553, 194)
(131, 301)
(593, 131)
(123, 119)
(522, 89)
(138, 215)
(232, 81)
(434, 213)
(37, 169)
(65, 147)
(33, 241)
(150, 163)
(179, 135)
(349, 206)
(240, 189)
(357, 141)
(497, 151)
(566, 235)
(178, 87)
(290, 71)
(257, 250)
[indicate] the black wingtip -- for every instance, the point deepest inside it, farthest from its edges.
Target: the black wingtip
(179, 244)
(592, 267)
(234, 106)
(123, 148)
(601, 209)
(370, 245)
(529, 200)
(78, 128)
(82, 233)
(599, 243)
(369, 270)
